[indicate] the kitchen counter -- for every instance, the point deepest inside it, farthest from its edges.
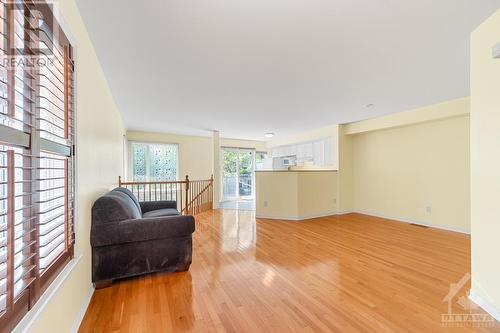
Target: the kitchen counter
(296, 194)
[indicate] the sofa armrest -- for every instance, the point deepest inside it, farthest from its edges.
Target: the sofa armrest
(148, 206)
(140, 230)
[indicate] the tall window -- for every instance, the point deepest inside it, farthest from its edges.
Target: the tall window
(153, 162)
(36, 155)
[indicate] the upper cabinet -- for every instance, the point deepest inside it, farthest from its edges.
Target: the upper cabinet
(305, 152)
(318, 152)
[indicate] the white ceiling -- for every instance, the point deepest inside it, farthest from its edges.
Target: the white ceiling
(246, 67)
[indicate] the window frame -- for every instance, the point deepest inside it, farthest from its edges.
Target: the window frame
(130, 157)
(31, 141)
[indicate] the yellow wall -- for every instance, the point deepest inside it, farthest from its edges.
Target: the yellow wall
(99, 155)
(344, 183)
(280, 190)
(296, 195)
(485, 163)
(195, 152)
(236, 143)
(398, 172)
(448, 109)
(316, 199)
(396, 166)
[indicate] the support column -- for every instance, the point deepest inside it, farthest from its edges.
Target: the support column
(216, 171)
(344, 183)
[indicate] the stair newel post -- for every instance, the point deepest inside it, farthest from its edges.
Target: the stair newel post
(187, 194)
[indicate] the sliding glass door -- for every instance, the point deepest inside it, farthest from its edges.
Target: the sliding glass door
(230, 161)
(237, 173)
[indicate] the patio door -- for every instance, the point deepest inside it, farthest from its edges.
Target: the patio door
(237, 173)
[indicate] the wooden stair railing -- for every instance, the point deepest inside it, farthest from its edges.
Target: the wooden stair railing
(192, 196)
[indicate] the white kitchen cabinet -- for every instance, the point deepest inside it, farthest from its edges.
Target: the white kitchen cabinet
(319, 152)
(305, 152)
(279, 151)
(328, 149)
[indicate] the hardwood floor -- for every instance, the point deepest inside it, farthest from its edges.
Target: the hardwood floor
(350, 273)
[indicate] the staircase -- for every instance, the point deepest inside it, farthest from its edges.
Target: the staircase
(192, 196)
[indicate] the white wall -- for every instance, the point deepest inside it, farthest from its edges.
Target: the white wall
(99, 135)
(485, 165)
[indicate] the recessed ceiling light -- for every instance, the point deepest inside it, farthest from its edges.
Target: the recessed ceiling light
(370, 105)
(269, 135)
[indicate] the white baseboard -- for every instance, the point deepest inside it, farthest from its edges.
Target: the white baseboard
(31, 317)
(402, 219)
(485, 305)
(296, 218)
(83, 310)
(345, 212)
(395, 218)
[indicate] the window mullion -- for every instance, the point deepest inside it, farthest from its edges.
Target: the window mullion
(148, 162)
(66, 135)
(35, 194)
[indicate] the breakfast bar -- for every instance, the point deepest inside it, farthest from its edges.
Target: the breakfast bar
(296, 194)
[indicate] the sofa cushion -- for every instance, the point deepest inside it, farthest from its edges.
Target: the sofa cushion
(147, 206)
(131, 196)
(162, 212)
(113, 207)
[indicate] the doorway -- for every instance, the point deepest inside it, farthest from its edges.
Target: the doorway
(238, 178)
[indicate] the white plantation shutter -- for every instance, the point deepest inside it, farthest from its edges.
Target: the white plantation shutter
(53, 208)
(36, 155)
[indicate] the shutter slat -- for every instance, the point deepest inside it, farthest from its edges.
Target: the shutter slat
(3, 286)
(22, 260)
(48, 250)
(51, 236)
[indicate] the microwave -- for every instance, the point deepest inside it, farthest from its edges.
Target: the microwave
(288, 161)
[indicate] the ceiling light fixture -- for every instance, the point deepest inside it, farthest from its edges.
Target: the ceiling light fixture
(269, 135)
(370, 105)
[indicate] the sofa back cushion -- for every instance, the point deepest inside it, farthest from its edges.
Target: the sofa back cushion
(115, 206)
(131, 195)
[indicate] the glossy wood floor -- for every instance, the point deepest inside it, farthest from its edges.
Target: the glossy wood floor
(350, 273)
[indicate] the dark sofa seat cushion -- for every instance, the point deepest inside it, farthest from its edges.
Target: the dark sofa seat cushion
(147, 206)
(162, 212)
